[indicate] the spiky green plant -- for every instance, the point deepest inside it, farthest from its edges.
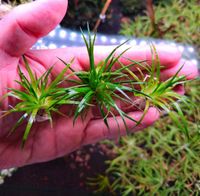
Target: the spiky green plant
(102, 85)
(157, 93)
(37, 96)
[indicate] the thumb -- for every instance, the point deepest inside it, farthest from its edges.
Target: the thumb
(25, 24)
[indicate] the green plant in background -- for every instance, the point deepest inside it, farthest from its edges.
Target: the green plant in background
(177, 20)
(15, 2)
(158, 161)
(38, 97)
(7, 5)
(132, 7)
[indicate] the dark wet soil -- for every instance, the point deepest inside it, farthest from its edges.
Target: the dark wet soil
(61, 177)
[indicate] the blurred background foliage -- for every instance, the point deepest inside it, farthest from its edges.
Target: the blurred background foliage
(82, 11)
(178, 20)
(15, 2)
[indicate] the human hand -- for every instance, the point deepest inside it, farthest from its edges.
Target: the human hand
(19, 31)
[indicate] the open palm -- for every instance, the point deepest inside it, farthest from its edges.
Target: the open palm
(19, 31)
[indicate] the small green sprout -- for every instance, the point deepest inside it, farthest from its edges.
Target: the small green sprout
(102, 85)
(38, 97)
(158, 93)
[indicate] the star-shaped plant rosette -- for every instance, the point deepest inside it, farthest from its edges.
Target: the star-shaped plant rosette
(100, 87)
(102, 84)
(37, 97)
(158, 93)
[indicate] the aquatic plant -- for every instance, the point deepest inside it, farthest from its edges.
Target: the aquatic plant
(37, 97)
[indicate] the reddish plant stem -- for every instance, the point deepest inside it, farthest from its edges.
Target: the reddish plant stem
(103, 12)
(150, 10)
